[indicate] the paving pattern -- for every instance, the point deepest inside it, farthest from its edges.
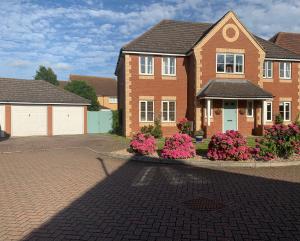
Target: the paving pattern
(77, 194)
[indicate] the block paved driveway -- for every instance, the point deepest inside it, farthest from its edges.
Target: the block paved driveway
(73, 193)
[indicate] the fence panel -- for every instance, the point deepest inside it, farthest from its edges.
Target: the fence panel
(99, 121)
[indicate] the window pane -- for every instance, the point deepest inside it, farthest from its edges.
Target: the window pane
(142, 62)
(269, 111)
(171, 106)
(239, 63)
(281, 110)
(150, 59)
(165, 116)
(281, 70)
(165, 111)
(269, 70)
(264, 69)
(287, 111)
(220, 67)
(172, 116)
(165, 65)
(229, 63)
(288, 70)
(220, 59)
(172, 65)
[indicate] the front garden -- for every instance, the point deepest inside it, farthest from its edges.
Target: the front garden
(278, 142)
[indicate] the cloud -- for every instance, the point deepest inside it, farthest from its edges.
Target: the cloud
(85, 35)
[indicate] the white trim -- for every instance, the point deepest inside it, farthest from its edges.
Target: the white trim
(237, 115)
(234, 63)
(289, 60)
(252, 109)
(162, 110)
(146, 65)
(162, 65)
(146, 111)
(152, 53)
(34, 103)
(266, 111)
(232, 98)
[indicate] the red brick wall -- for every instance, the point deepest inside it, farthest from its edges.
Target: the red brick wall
(159, 87)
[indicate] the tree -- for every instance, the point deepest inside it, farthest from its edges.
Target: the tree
(82, 89)
(46, 74)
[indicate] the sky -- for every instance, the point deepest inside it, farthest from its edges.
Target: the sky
(85, 36)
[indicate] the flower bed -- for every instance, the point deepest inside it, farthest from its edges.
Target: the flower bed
(143, 144)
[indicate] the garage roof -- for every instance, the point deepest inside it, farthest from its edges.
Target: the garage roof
(36, 92)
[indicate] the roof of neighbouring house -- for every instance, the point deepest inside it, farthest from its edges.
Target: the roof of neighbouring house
(103, 86)
(290, 41)
(36, 92)
(179, 37)
(229, 88)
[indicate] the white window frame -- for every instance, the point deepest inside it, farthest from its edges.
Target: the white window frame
(234, 63)
(252, 108)
(146, 65)
(285, 70)
(168, 111)
(146, 110)
(284, 109)
(112, 100)
(169, 66)
(266, 114)
(266, 67)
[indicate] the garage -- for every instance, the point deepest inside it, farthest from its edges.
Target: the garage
(68, 120)
(2, 120)
(38, 108)
(28, 120)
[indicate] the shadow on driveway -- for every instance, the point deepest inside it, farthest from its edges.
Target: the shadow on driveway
(146, 202)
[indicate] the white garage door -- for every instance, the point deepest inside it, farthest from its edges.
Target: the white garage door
(28, 120)
(2, 120)
(68, 120)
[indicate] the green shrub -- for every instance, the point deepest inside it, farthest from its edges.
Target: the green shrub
(116, 122)
(153, 130)
(278, 119)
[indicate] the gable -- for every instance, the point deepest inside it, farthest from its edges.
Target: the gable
(231, 29)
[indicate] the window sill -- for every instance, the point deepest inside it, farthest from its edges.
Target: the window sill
(230, 75)
(173, 123)
(146, 123)
(146, 76)
(285, 80)
(169, 77)
(268, 80)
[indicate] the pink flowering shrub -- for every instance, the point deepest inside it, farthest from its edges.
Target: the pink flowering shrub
(279, 140)
(179, 146)
(143, 144)
(228, 146)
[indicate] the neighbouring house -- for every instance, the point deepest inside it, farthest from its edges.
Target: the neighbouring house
(106, 89)
(218, 75)
(36, 107)
(290, 41)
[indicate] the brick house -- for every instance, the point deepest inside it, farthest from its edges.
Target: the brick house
(220, 76)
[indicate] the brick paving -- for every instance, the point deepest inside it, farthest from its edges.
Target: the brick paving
(76, 194)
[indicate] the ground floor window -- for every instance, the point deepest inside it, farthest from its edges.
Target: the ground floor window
(269, 111)
(168, 111)
(285, 110)
(250, 109)
(146, 111)
(112, 100)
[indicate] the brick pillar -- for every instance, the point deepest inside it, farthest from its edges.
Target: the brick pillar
(8, 119)
(49, 120)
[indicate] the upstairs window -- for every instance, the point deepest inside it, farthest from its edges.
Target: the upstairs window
(285, 110)
(268, 69)
(230, 63)
(146, 111)
(146, 65)
(169, 66)
(168, 111)
(285, 70)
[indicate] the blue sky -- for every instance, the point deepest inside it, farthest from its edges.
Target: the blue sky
(84, 36)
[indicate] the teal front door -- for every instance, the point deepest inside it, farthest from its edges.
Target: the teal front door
(230, 115)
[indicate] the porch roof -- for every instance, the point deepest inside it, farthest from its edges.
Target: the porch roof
(232, 89)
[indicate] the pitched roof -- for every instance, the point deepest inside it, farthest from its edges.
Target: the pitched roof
(233, 89)
(103, 86)
(290, 41)
(179, 37)
(37, 92)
